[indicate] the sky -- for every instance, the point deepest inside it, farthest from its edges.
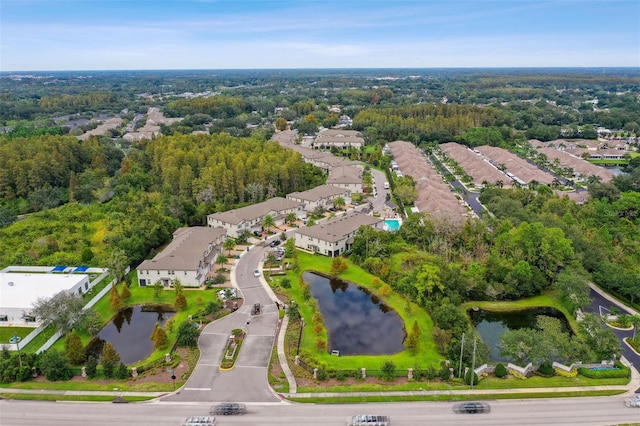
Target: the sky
(52, 35)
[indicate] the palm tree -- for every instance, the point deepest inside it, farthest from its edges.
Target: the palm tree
(268, 222)
(229, 244)
(635, 321)
(221, 260)
(291, 218)
(339, 203)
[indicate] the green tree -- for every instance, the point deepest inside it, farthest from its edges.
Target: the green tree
(338, 266)
(339, 203)
(602, 340)
(91, 367)
(388, 371)
(91, 323)
(268, 222)
(117, 262)
(281, 124)
(110, 359)
(126, 293)
(63, 310)
(573, 286)
(122, 372)
(159, 337)
(229, 244)
(157, 290)
(188, 334)
(181, 302)
(500, 371)
(55, 365)
(74, 349)
(116, 301)
(291, 218)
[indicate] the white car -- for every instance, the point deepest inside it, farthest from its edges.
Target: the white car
(256, 272)
(633, 402)
(199, 421)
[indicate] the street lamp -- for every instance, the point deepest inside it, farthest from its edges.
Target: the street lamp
(15, 339)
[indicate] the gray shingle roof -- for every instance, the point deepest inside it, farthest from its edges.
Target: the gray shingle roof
(186, 250)
(255, 211)
(338, 228)
(318, 193)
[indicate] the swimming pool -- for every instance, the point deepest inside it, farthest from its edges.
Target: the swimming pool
(392, 224)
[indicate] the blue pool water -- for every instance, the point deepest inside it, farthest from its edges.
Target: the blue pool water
(392, 224)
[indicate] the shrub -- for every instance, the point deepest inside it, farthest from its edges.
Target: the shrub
(122, 372)
(181, 302)
(563, 373)
(388, 371)
(188, 333)
(341, 375)
(285, 283)
(430, 373)
(501, 371)
(219, 278)
(55, 365)
(91, 368)
(546, 369)
(322, 375)
(444, 373)
(517, 375)
(471, 374)
(110, 359)
(621, 372)
(212, 307)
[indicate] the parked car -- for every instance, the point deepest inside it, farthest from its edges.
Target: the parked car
(256, 272)
(472, 408)
(368, 420)
(280, 250)
(633, 402)
(257, 234)
(228, 409)
(199, 421)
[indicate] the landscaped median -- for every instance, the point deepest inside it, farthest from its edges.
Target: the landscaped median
(232, 349)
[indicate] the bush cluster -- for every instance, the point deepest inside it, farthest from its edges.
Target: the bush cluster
(620, 372)
(563, 373)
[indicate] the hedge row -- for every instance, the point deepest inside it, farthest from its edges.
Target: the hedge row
(620, 372)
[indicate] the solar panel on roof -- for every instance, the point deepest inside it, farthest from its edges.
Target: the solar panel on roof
(81, 269)
(59, 268)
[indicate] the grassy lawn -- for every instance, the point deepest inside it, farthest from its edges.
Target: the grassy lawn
(7, 333)
(93, 386)
(39, 340)
(545, 300)
(84, 398)
(487, 383)
(469, 397)
(426, 353)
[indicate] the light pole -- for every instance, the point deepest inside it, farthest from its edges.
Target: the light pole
(15, 339)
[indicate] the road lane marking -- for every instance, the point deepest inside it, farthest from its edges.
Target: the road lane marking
(197, 389)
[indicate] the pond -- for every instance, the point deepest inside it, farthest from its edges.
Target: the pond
(130, 332)
(491, 325)
(357, 322)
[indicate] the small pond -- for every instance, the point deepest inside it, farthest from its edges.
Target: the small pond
(492, 325)
(357, 322)
(130, 332)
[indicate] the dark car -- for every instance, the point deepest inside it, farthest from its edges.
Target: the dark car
(257, 234)
(228, 409)
(472, 408)
(275, 243)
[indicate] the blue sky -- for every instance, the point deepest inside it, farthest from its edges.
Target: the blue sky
(215, 34)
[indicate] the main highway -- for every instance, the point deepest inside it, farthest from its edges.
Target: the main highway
(557, 412)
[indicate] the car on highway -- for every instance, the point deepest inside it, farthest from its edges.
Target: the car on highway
(368, 420)
(471, 407)
(632, 402)
(199, 421)
(256, 272)
(228, 409)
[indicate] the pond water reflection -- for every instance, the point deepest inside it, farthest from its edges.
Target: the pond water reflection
(492, 325)
(357, 322)
(129, 332)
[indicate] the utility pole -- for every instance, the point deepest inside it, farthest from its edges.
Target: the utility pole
(473, 362)
(460, 362)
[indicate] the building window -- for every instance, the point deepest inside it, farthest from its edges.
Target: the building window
(4, 318)
(29, 318)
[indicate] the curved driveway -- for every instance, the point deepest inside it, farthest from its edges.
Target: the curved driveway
(247, 381)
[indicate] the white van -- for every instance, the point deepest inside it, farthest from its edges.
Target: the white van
(386, 185)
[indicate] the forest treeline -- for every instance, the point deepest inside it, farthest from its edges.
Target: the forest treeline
(160, 185)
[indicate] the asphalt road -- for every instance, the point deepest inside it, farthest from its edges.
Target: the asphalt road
(557, 412)
(599, 301)
(247, 381)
